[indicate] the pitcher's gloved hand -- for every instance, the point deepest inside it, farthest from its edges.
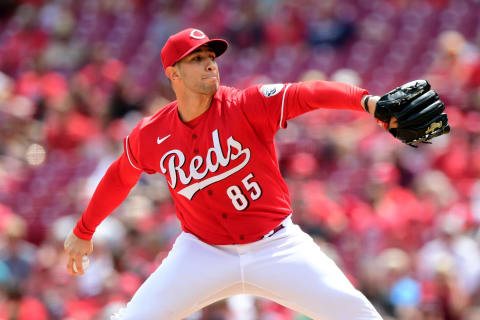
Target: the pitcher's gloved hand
(418, 110)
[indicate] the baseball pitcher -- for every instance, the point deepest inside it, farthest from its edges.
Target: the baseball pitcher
(215, 147)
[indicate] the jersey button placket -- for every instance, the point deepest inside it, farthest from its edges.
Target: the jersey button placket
(194, 143)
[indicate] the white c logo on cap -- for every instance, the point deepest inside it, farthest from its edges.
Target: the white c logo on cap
(197, 34)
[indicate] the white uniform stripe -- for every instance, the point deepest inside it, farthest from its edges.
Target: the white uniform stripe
(283, 103)
(128, 156)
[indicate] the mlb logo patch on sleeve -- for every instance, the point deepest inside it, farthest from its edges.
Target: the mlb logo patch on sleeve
(269, 90)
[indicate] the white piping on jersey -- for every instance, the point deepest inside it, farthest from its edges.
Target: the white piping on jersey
(283, 103)
(128, 156)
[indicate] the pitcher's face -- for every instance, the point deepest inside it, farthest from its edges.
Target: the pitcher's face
(199, 71)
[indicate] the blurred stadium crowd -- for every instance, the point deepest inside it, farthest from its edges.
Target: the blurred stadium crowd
(76, 76)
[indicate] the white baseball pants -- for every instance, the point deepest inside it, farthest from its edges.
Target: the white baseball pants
(288, 268)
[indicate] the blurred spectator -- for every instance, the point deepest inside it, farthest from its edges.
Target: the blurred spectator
(16, 253)
(458, 249)
(25, 43)
(404, 290)
(451, 69)
(325, 28)
(17, 306)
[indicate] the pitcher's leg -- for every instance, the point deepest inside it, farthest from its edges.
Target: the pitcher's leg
(192, 271)
(293, 271)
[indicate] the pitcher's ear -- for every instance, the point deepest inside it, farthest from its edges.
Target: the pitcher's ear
(172, 73)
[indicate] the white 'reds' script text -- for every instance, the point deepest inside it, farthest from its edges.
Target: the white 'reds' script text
(175, 160)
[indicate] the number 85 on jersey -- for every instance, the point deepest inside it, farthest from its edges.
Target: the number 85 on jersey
(240, 200)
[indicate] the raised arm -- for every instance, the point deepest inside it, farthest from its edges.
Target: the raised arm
(306, 96)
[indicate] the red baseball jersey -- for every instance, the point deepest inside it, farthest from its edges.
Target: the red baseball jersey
(221, 167)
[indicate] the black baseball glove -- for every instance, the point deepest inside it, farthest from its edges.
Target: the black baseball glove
(418, 110)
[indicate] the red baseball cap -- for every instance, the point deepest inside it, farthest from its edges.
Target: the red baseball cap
(184, 42)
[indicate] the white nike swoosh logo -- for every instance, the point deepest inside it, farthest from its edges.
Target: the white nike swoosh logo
(163, 139)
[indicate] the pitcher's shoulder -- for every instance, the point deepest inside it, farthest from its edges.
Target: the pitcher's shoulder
(161, 116)
(230, 94)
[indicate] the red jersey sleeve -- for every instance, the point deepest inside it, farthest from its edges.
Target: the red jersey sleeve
(109, 194)
(133, 149)
(274, 104)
